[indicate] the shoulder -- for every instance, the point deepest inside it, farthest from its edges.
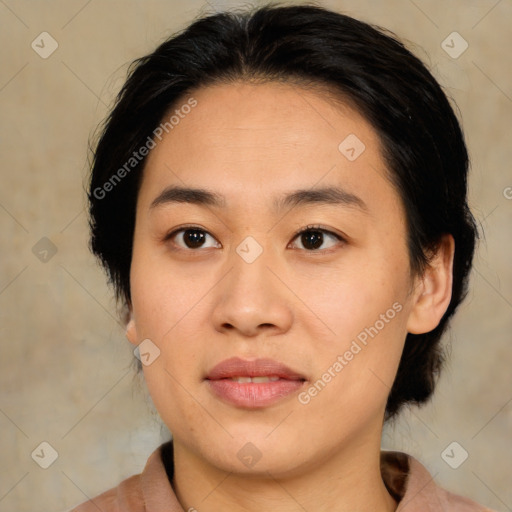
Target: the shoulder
(126, 497)
(417, 489)
(150, 490)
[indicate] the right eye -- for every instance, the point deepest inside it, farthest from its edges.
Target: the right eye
(191, 237)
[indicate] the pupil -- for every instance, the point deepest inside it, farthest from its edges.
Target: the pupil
(312, 238)
(194, 238)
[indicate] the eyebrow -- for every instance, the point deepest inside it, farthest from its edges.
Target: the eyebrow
(178, 194)
(323, 195)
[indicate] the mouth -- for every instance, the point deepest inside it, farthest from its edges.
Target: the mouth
(257, 380)
(235, 368)
(253, 384)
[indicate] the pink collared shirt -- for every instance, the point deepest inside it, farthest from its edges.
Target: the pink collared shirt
(406, 479)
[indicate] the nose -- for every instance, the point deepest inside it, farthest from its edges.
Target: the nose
(251, 300)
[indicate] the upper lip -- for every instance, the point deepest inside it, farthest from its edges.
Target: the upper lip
(236, 367)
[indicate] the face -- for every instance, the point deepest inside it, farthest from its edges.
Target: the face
(317, 281)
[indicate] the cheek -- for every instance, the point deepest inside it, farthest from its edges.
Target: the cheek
(363, 314)
(163, 306)
(162, 296)
(348, 298)
(172, 397)
(355, 376)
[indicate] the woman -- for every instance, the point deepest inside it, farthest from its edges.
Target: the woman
(279, 199)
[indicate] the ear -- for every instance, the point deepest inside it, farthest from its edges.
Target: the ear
(131, 329)
(433, 290)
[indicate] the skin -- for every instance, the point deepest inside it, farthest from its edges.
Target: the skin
(298, 305)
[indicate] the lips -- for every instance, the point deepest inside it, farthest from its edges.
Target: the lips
(253, 384)
(236, 367)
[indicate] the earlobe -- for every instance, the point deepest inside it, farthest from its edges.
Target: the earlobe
(131, 331)
(433, 290)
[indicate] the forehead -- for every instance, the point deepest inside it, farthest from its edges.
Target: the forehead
(267, 139)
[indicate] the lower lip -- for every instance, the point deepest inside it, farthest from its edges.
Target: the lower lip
(253, 395)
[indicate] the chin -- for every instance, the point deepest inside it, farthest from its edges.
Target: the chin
(254, 452)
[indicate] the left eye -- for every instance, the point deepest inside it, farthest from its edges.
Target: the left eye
(312, 238)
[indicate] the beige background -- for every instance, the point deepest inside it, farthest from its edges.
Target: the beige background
(66, 375)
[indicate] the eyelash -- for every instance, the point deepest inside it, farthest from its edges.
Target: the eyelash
(314, 227)
(310, 227)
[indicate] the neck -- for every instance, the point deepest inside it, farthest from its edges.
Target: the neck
(349, 479)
